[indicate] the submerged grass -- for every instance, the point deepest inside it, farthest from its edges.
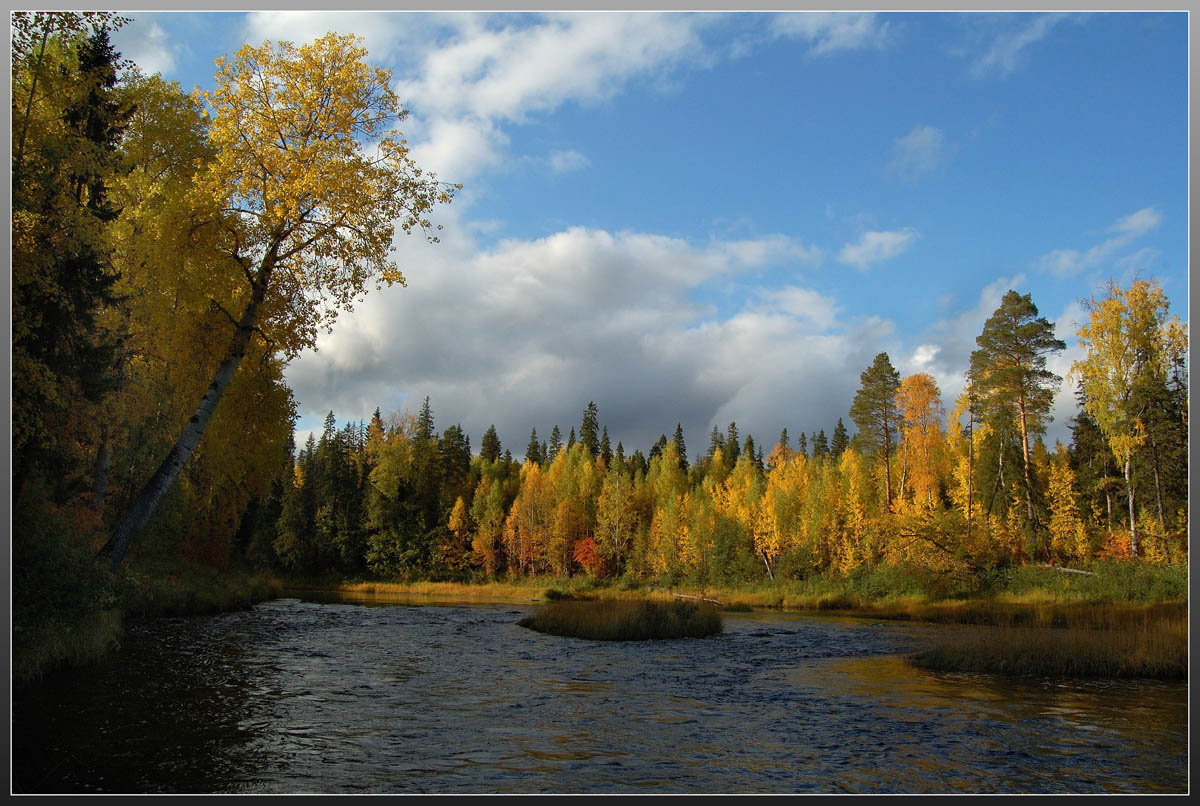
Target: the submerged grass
(617, 620)
(1155, 648)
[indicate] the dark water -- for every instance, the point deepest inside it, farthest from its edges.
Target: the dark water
(299, 696)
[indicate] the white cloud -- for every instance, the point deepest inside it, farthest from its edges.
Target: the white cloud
(829, 32)
(1004, 54)
(528, 329)
(385, 34)
(874, 247)
(1069, 262)
(917, 153)
(146, 45)
(562, 162)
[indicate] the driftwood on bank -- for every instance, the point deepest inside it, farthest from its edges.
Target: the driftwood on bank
(699, 598)
(1062, 570)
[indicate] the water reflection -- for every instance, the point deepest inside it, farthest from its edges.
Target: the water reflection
(298, 696)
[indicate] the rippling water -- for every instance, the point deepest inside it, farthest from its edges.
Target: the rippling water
(296, 696)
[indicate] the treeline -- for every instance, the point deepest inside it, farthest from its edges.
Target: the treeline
(973, 490)
(164, 254)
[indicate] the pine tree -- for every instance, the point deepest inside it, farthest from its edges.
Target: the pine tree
(783, 438)
(571, 439)
(802, 444)
(555, 444)
(1009, 374)
(659, 446)
(874, 412)
(605, 447)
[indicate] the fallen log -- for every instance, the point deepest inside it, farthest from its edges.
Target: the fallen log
(1062, 570)
(699, 598)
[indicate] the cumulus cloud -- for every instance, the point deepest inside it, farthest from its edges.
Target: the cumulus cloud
(829, 32)
(917, 153)
(874, 247)
(1069, 262)
(1004, 54)
(528, 330)
(146, 44)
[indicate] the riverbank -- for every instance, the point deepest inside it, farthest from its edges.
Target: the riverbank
(1116, 620)
(52, 640)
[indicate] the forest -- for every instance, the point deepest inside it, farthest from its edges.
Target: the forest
(173, 251)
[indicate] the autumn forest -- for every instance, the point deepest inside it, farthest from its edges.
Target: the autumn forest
(174, 250)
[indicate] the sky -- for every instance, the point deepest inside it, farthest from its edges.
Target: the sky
(699, 218)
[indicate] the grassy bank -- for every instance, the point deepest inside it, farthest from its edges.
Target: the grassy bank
(50, 637)
(615, 620)
(1151, 649)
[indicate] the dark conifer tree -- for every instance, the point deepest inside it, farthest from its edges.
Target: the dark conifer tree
(802, 444)
(490, 448)
(715, 442)
(555, 444)
(841, 440)
(589, 431)
(680, 446)
(605, 447)
(820, 444)
(733, 445)
(533, 451)
(874, 412)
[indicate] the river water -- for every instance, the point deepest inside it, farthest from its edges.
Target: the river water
(304, 696)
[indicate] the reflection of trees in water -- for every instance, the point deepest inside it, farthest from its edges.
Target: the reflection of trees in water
(147, 719)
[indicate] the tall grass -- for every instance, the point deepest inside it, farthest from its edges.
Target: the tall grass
(616, 620)
(1152, 648)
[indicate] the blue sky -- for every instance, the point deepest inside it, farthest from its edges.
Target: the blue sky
(700, 218)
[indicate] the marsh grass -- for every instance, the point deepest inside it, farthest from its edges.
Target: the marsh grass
(185, 589)
(624, 620)
(60, 642)
(1151, 648)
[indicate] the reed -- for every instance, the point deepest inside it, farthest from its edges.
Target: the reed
(619, 620)
(1150, 649)
(61, 642)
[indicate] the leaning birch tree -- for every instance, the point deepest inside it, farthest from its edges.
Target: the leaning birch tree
(306, 186)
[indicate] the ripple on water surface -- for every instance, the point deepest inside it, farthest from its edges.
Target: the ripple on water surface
(296, 696)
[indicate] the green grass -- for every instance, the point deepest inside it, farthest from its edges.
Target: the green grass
(185, 589)
(53, 643)
(621, 620)
(1154, 648)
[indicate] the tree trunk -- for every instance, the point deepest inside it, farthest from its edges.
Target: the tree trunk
(970, 467)
(768, 565)
(103, 464)
(1133, 541)
(997, 484)
(1028, 477)
(1162, 521)
(887, 460)
(147, 501)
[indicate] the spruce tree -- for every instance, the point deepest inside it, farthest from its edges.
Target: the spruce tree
(555, 444)
(802, 444)
(715, 442)
(605, 447)
(489, 448)
(841, 440)
(732, 445)
(533, 451)
(820, 444)
(589, 431)
(680, 446)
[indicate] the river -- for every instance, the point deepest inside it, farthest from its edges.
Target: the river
(299, 696)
